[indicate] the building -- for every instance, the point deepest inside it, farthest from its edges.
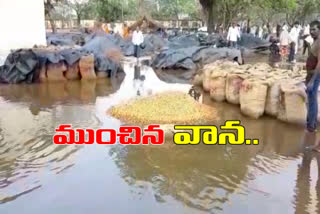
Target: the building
(22, 25)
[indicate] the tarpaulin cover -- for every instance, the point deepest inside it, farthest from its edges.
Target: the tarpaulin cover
(187, 58)
(99, 46)
(66, 39)
(250, 41)
(19, 67)
(184, 41)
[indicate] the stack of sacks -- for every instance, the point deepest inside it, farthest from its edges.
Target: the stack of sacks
(217, 86)
(233, 85)
(292, 103)
(253, 94)
(86, 65)
(259, 89)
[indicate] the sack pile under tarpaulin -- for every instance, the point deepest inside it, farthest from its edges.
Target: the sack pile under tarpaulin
(184, 41)
(185, 52)
(152, 42)
(24, 65)
(66, 39)
(250, 41)
(188, 58)
(99, 46)
(19, 67)
(68, 55)
(176, 59)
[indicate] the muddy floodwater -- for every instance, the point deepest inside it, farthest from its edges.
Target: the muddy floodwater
(37, 177)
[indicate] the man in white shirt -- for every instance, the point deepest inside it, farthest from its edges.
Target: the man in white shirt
(137, 40)
(233, 35)
(307, 39)
(294, 40)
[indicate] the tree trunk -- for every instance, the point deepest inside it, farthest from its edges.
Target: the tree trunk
(52, 24)
(176, 10)
(211, 20)
(224, 18)
(48, 11)
(208, 6)
(141, 8)
(269, 28)
(79, 20)
(228, 21)
(248, 26)
(202, 12)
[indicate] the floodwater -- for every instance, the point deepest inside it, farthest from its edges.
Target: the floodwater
(36, 176)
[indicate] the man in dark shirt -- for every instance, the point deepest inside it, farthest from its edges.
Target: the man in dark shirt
(313, 79)
(275, 56)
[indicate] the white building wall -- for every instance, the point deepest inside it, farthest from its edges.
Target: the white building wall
(22, 24)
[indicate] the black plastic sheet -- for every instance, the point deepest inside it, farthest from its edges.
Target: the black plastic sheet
(19, 67)
(189, 58)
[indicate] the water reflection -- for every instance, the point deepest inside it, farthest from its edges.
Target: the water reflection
(303, 191)
(139, 81)
(175, 76)
(208, 178)
(184, 179)
(204, 181)
(67, 93)
(29, 115)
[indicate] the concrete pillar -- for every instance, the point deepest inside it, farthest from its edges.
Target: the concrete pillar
(22, 24)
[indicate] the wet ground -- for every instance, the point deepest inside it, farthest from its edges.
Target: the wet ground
(36, 176)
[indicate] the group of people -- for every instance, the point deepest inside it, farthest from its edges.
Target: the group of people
(286, 43)
(290, 41)
(111, 29)
(235, 31)
(312, 66)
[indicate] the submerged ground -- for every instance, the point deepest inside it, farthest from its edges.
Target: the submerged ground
(37, 177)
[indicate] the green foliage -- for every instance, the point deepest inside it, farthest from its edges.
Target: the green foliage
(108, 10)
(114, 10)
(215, 12)
(171, 9)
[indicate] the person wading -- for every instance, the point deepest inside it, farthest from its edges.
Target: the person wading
(137, 40)
(313, 79)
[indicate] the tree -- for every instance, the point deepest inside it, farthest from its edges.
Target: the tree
(108, 10)
(81, 7)
(208, 7)
(300, 9)
(49, 10)
(172, 9)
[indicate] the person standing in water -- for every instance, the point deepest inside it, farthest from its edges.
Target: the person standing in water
(313, 79)
(137, 40)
